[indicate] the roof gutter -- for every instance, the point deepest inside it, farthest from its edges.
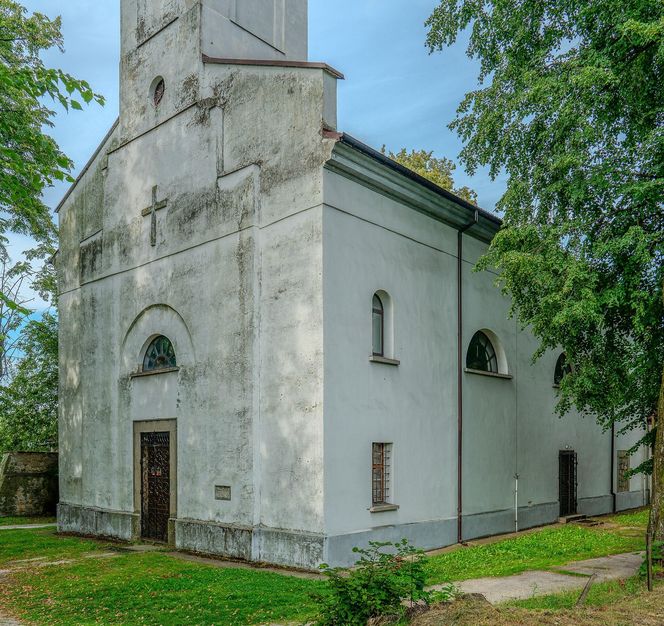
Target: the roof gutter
(408, 173)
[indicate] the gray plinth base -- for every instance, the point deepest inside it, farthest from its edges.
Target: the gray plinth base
(98, 522)
(268, 545)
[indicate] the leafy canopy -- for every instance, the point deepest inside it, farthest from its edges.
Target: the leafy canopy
(29, 400)
(438, 171)
(30, 160)
(571, 106)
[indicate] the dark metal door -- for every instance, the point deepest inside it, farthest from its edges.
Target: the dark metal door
(567, 482)
(155, 485)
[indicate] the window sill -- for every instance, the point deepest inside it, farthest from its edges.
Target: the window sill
(382, 508)
(385, 361)
(489, 374)
(166, 370)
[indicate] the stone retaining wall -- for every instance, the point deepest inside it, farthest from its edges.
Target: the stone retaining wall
(28, 483)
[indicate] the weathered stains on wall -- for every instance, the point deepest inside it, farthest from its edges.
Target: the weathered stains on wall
(173, 55)
(287, 144)
(81, 218)
(153, 15)
(91, 258)
(28, 483)
(234, 280)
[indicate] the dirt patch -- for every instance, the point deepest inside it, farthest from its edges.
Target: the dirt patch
(644, 609)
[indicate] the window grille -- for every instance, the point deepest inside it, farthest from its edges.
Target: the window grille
(381, 461)
(623, 470)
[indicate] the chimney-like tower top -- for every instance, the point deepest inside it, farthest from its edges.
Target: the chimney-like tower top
(231, 29)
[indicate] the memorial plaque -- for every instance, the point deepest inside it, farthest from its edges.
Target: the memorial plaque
(222, 492)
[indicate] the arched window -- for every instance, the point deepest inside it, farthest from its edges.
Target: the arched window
(562, 369)
(378, 326)
(481, 354)
(160, 355)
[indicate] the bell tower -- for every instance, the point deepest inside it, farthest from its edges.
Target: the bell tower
(255, 29)
(230, 29)
(164, 43)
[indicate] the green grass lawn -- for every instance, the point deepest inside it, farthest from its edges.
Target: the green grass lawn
(32, 544)
(637, 519)
(12, 521)
(600, 594)
(141, 588)
(538, 550)
(157, 588)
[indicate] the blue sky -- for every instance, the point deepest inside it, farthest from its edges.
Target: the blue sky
(395, 92)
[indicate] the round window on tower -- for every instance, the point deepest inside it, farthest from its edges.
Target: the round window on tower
(157, 90)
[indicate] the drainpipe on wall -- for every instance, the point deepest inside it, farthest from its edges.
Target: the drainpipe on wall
(516, 503)
(460, 233)
(613, 467)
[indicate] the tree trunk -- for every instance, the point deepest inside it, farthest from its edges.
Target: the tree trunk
(656, 526)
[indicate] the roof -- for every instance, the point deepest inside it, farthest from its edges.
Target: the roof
(354, 159)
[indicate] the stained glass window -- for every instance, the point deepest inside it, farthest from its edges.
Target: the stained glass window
(481, 354)
(159, 355)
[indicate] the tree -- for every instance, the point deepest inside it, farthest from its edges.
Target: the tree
(571, 105)
(31, 160)
(438, 171)
(12, 307)
(29, 401)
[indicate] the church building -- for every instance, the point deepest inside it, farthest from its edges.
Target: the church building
(273, 345)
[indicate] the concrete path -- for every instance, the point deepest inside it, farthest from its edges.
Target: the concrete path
(542, 583)
(26, 527)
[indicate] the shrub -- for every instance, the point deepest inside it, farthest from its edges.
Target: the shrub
(385, 575)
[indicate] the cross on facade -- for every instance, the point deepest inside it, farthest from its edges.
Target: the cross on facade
(152, 212)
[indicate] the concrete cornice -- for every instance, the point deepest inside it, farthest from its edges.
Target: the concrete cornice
(275, 63)
(357, 162)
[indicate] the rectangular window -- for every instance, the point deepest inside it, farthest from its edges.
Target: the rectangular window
(623, 469)
(377, 328)
(381, 462)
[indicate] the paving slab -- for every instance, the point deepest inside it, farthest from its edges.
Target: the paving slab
(521, 586)
(541, 583)
(615, 567)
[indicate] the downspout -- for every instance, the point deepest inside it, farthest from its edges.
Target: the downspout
(516, 503)
(460, 233)
(613, 467)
